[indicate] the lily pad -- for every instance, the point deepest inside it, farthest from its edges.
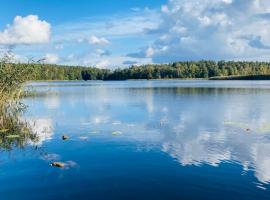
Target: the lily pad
(116, 133)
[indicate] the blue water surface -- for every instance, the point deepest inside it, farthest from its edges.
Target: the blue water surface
(143, 140)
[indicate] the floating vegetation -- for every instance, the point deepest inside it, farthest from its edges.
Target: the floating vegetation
(264, 129)
(117, 133)
(237, 125)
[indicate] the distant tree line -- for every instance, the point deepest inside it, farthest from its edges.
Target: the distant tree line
(192, 69)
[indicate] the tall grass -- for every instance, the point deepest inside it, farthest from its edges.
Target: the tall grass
(14, 131)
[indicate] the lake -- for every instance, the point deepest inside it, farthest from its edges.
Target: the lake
(143, 140)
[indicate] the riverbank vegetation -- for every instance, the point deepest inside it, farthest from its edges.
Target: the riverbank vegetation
(179, 70)
(14, 132)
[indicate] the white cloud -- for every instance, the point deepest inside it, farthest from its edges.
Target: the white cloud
(51, 58)
(26, 30)
(101, 52)
(227, 1)
(179, 30)
(149, 52)
(116, 32)
(98, 40)
(212, 29)
(102, 59)
(102, 64)
(165, 9)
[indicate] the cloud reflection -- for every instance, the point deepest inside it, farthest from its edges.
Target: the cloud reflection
(43, 128)
(193, 125)
(203, 126)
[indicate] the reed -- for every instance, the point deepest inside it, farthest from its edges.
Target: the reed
(14, 131)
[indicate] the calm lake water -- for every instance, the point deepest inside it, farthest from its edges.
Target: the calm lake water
(143, 140)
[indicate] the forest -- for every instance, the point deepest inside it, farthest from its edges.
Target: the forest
(177, 70)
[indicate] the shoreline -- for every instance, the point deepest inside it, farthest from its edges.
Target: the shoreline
(219, 78)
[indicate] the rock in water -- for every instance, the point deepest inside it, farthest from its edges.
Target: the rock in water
(65, 137)
(58, 164)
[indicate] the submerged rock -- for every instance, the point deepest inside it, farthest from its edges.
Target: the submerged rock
(58, 164)
(64, 165)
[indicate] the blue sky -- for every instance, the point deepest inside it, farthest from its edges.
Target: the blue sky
(118, 33)
(59, 11)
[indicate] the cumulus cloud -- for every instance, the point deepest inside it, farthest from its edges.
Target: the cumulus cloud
(51, 58)
(102, 59)
(211, 29)
(26, 30)
(179, 30)
(98, 40)
(101, 52)
(102, 64)
(149, 52)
